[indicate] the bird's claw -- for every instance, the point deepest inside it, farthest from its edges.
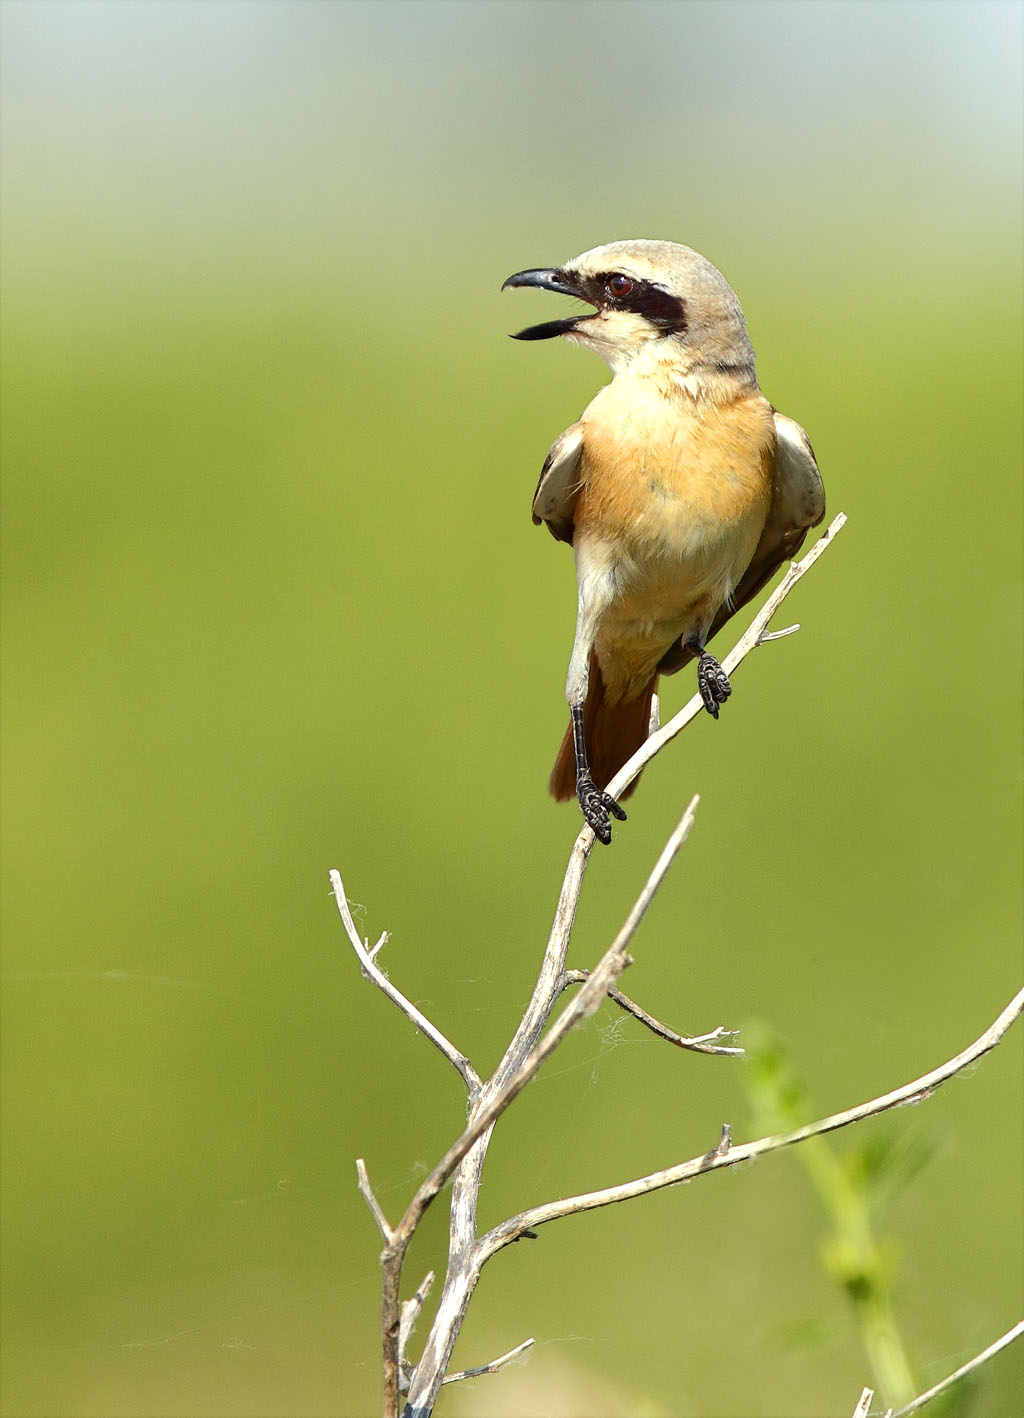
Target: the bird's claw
(595, 806)
(713, 683)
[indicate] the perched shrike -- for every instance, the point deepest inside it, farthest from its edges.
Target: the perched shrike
(679, 488)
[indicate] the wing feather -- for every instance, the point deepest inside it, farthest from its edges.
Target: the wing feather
(555, 499)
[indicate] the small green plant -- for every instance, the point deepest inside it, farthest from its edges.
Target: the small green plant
(854, 1186)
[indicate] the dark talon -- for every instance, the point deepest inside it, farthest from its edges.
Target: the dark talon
(595, 806)
(713, 683)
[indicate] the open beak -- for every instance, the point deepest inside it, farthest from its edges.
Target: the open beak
(561, 282)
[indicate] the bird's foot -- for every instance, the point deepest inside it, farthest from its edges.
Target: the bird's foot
(713, 683)
(596, 805)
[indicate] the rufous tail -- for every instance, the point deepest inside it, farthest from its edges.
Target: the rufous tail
(612, 732)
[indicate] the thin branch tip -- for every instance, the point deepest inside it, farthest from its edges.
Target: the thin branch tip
(954, 1378)
(366, 1192)
(695, 1043)
(409, 1314)
(769, 635)
(863, 1403)
(367, 958)
(492, 1367)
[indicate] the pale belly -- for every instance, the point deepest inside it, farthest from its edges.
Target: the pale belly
(669, 570)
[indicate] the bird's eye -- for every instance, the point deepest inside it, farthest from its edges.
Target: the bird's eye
(618, 286)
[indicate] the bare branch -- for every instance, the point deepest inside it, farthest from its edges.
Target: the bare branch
(698, 1044)
(914, 1092)
(963, 1371)
(410, 1314)
(499, 1092)
(366, 1191)
(492, 1367)
(370, 968)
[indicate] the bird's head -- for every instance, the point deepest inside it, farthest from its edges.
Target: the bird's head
(649, 298)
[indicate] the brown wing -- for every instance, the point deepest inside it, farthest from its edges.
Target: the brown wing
(555, 498)
(798, 503)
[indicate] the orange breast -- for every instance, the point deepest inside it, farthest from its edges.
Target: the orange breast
(678, 492)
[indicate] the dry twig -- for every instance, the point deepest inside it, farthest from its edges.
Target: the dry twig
(368, 963)
(492, 1367)
(407, 1322)
(919, 1402)
(698, 1043)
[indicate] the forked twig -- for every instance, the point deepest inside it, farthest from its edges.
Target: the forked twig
(372, 971)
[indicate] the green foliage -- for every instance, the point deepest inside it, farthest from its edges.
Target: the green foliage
(854, 1181)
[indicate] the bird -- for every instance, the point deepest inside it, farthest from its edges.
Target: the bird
(680, 489)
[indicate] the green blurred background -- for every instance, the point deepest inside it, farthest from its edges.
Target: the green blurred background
(274, 604)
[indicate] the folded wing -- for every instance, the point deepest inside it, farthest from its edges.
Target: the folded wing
(555, 498)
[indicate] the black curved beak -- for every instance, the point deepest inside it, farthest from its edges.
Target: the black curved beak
(562, 283)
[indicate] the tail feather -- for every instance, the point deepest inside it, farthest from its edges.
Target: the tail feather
(612, 732)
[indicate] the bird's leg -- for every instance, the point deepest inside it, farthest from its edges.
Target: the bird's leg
(594, 803)
(597, 588)
(712, 681)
